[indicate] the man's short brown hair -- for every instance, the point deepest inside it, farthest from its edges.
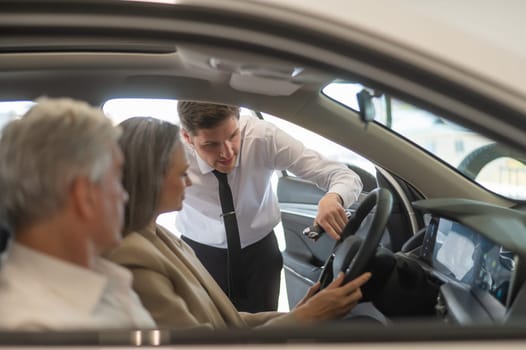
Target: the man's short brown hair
(199, 115)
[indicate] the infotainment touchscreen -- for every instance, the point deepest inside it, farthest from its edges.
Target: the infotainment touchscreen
(469, 257)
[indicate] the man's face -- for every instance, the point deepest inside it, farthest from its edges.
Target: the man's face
(111, 198)
(218, 146)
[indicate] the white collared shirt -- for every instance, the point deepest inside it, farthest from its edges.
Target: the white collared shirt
(38, 292)
(264, 149)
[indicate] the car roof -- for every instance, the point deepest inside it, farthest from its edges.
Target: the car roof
(485, 38)
(478, 43)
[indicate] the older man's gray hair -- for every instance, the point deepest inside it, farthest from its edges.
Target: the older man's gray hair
(56, 141)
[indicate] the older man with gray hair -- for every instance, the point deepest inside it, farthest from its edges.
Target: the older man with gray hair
(60, 185)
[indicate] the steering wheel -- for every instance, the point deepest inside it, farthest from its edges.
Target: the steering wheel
(473, 163)
(351, 254)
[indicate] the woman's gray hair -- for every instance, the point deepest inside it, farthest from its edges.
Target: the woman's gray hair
(41, 154)
(147, 144)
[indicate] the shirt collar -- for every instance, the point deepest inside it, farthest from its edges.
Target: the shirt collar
(76, 285)
(204, 167)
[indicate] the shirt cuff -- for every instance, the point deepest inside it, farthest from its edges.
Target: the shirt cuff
(348, 195)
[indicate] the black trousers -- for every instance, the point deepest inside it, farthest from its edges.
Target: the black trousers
(262, 263)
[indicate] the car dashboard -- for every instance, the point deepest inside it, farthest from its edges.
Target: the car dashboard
(471, 265)
(473, 253)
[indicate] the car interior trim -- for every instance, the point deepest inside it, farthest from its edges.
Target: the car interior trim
(405, 201)
(298, 275)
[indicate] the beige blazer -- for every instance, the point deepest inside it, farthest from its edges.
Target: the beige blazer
(177, 289)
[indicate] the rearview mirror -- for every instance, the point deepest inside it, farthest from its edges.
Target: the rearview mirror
(365, 102)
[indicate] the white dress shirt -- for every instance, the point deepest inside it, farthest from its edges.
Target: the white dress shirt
(264, 149)
(40, 292)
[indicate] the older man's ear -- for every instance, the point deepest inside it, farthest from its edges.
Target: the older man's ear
(82, 197)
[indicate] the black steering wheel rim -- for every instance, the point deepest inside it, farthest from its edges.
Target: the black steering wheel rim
(380, 198)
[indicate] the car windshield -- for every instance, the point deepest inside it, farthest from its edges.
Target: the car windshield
(479, 158)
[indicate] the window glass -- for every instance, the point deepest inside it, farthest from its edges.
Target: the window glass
(344, 93)
(486, 162)
(13, 109)
(124, 108)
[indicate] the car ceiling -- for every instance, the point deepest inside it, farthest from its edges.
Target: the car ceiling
(99, 76)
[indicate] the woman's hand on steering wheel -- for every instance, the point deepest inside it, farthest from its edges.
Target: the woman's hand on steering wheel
(334, 301)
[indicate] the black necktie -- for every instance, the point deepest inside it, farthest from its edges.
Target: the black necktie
(236, 287)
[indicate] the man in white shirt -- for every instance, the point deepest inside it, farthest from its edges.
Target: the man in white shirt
(219, 141)
(60, 171)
